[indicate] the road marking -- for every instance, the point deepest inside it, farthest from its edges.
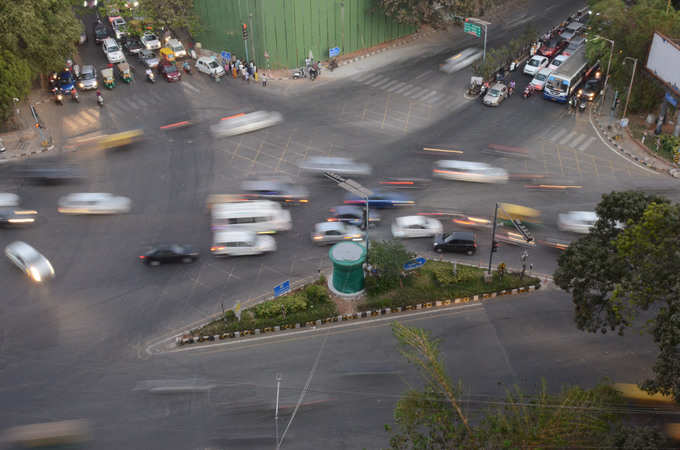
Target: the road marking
(577, 141)
(557, 135)
(417, 93)
(143, 103)
(429, 95)
(186, 85)
(396, 86)
(363, 76)
(423, 74)
(411, 89)
(132, 103)
(155, 98)
(402, 89)
(376, 80)
(90, 114)
(568, 137)
(586, 144)
(383, 83)
(390, 84)
(441, 150)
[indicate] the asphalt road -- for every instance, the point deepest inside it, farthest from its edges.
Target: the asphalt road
(75, 347)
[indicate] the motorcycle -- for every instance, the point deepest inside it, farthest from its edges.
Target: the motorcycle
(299, 73)
(582, 104)
(528, 91)
(100, 99)
(187, 67)
(75, 96)
(151, 77)
(333, 64)
(313, 73)
(482, 91)
(59, 98)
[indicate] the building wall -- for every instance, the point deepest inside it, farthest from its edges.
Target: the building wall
(289, 29)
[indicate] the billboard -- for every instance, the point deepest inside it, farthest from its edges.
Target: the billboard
(663, 61)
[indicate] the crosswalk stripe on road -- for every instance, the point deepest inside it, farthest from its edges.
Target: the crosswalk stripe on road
(401, 90)
(391, 83)
(586, 144)
(578, 140)
(383, 83)
(568, 138)
(429, 95)
(396, 86)
(557, 135)
(376, 80)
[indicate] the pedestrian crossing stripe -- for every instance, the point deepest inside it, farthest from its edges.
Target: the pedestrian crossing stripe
(376, 80)
(578, 140)
(568, 138)
(401, 90)
(396, 86)
(586, 144)
(391, 83)
(383, 83)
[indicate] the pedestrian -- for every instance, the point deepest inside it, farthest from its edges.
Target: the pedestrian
(233, 71)
(307, 63)
(247, 76)
(264, 79)
(254, 68)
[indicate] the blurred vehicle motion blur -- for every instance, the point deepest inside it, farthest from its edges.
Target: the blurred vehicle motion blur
(353, 215)
(104, 141)
(380, 199)
(327, 233)
(30, 261)
(169, 253)
(461, 60)
(260, 216)
(577, 221)
(469, 171)
(339, 166)
(416, 227)
(8, 199)
(46, 174)
(241, 243)
(246, 123)
(93, 203)
(65, 434)
(279, 189)
(17, 216)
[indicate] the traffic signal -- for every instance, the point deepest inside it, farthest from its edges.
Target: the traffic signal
(494, 246)
(244, 29)
(524, 231)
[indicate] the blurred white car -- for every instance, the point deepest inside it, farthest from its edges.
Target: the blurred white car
(340, 166)
(415, 227)
(540, 78)
(536, 63)
(326, 233)
(246, 123)
(93, 203)
(461, 60)
(469, 171)
(577, 221)
(241, 243)
(30, 261)
(8, 199)
(150, 41)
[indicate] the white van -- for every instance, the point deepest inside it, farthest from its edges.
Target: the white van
(177, 48)
(241, 243)
(260, 216)
(469, 171)
(113, 51)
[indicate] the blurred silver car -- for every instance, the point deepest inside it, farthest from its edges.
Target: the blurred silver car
(416, 227)
(340, 166)
(461, 60)
(246, 123)
(30, 261)
(93, 203)
(8, 199)
(326, 233)
(469, 171)
(88, 78)
(278, 189)
(496, 94)
(577, 221)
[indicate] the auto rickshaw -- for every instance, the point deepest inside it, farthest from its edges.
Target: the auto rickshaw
(124, 72)
(167, 54)
(107, 77)
(119, 139)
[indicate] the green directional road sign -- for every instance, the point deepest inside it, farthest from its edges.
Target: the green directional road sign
(472, 28)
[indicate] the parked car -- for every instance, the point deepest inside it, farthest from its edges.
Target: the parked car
(150, 41)
(553, 46)
(88, 78)
(339, 166)
(353, 215)
(591, 89)
(30, 261)
(280, 190)
(119, 27)
(326, 233)
(178, 49)
(209, 65)
(148, 58)
(241, 243)
(457, 241)
(577, 221)
(169, 72)
(496, 94)
(112, 50)
(380, 199)
(557, 62)
(469, 171)
(132, 45)
(536, 63)
(93, 203)
(101, 32)
(538, 82)
(416, 227)
(169, 253)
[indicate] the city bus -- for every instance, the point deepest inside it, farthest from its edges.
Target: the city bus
(563, 82)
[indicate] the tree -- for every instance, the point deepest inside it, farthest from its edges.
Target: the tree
(625, 266)
(436, 13)
(15, 81)
(388, 258)
(437, 418)
(171, 14)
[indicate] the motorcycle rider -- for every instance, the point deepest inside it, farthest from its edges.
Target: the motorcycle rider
(100, 99)
(186, 66)
(149, 73)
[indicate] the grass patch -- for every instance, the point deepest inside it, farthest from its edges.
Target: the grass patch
(436, 281)
(304, 305)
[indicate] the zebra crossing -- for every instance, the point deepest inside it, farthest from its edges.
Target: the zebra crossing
(569, 138)
(407, 89)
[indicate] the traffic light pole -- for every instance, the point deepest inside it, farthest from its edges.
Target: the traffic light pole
(493, 237)
(245, 44)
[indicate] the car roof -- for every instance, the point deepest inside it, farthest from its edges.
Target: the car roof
(498, 86)
(206, 58)
(405, 221)
(87, 68)
(561, 57)
(544, 71)
(453, 164)
(174, 41)
(539, 57)
(88, 196)
(233, 236)
(23, 248)
(468, 235)
(344, 209)
(326, 226)
(583, 215)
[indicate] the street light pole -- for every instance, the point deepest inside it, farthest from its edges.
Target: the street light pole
(611, 52)
(276, 411)
(493, 237)
(630, 86)
(485, 24)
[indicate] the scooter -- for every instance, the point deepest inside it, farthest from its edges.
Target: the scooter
(151, 77)
(313, 74)
(482, 91)
(528, 91)
(582, 104)
(187, 67)
(100, 99)
(333, 64)
(59, 98)
(75, 96)
(299, 73)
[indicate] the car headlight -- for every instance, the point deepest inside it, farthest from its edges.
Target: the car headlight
(80, 85)
(35, 274)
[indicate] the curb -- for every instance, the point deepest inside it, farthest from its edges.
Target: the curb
(188, 340)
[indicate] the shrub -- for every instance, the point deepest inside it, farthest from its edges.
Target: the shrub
(316, 294)
(230, 316)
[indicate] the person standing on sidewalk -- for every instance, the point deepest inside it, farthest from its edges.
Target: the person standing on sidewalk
(264, 79)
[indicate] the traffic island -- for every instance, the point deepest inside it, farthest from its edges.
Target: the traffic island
(433, 285)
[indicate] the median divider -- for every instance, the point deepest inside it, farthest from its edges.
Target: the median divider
(188, 339)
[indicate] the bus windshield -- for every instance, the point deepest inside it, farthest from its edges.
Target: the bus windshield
(557, 84)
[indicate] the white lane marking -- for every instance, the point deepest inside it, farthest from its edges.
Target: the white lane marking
(186, 85)
(362, 76)
(90, 114)
(568, 138)
(557, 135)
(586, 144)
(132, 103)
(391, 83)
(435, 99)
(396, 86)
(429, 95)
(402, 89)
(155, 98)
(376, 80)
(76, 122)
(142, 102)
(417, 93)
(383, 83)
(577, 141)
(422, 74)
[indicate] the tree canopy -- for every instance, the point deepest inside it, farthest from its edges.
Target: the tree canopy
(625, 266)
(171, 14)
(631, 28)
(436, 13)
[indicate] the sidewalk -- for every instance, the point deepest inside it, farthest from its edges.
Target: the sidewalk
(621, 140)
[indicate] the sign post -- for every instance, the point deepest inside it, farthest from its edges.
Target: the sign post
(282, 288)
(473, 26)
(244, 30)
(335, 51)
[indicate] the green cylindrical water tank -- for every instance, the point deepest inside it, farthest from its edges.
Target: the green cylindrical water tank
(348, 260)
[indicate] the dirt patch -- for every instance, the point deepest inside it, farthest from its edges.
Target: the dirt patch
(344, 306)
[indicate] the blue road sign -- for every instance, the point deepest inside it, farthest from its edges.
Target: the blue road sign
(333, 52)
(414, 263)
(282, 288)
(670, 99)
(226, 55)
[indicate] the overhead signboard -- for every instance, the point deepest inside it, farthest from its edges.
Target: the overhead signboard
(472, 28)
(663, 61)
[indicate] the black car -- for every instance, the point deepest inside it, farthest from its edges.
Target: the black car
(50, 175)
(10, 217)
(101, 32)
(458, 241)
(277, 190)
(132, 45)
(169, 253)
(353, 215)
(591, 89)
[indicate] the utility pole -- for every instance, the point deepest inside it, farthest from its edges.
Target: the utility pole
(630, 86)
(244, 31)
(356, 189)
(252, 41)
(276, 411)
(493, 238)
